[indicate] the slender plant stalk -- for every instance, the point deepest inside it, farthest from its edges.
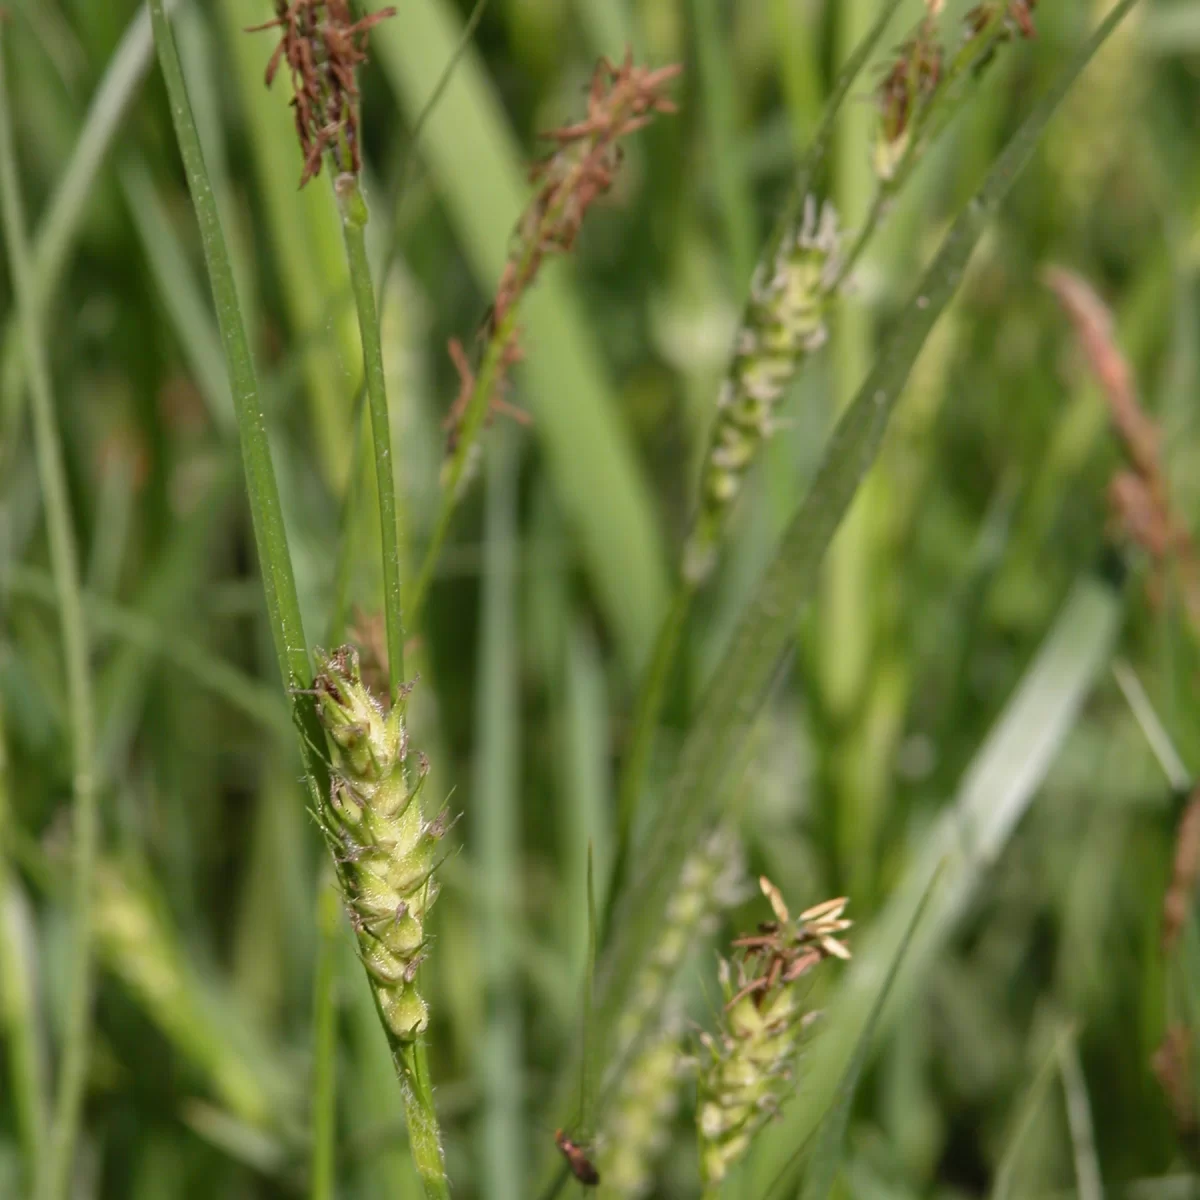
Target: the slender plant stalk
(324, 1106)
(496, 794)
(420, 1113)
(452, 482)
(424, 1136)
(56, 1168)
(266, 511)
(354, 223)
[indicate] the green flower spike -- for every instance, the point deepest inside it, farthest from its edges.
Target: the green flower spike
(749, 1060)
(385, 850)
(786, 320)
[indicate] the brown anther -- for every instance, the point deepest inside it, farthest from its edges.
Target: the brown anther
(323, 48)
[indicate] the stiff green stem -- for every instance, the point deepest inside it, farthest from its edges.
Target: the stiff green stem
(424, 1137)
(324, 1107)
(424, 1134)
(354, 222)
(56, 1168)
(266, 511)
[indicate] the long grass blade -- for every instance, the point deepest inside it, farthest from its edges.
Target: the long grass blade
(57, 1165)
(758, 648)
(827, 1150)
(23, 1036)
(279, 585)
(1030, 1110)
(653, 690)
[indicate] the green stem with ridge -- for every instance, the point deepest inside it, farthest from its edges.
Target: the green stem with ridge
(55, 1169)
(354, 222)
(410, 1059)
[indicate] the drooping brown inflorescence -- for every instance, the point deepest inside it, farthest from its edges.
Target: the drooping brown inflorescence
(323, 47)
(1139, 496)
(621, 100)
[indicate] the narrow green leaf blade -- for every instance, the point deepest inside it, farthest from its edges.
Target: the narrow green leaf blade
(827, 1152)
(283, 605)
(758, 648)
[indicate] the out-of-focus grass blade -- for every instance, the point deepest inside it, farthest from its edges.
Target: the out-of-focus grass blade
(719, 91)
(186, 305)
(996, 790)
(758, 648)
(53, 240)
(610, 27)
(23, 1036)
(1171, 28)
(242, 692)
(1079, 1120)
(586, 748)
(1031, 1106)
(137, 943)
(474, 158)
(496, 808)
(827, 1150)
(590, 1057)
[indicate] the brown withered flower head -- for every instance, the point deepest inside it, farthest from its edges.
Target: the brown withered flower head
(323, 47)
(783, 950)
(1018, 16)
(622, 98)
(909, 83)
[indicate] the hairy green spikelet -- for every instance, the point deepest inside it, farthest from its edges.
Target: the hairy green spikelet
(639, 1127)
(786, 320)
(748, 1062)
(384, 848)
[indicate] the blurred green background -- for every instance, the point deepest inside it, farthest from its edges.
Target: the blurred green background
(982, 649)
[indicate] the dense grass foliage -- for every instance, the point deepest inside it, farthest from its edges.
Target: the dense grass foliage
(623, 383)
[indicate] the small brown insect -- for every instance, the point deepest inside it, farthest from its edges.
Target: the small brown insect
(581, 1166)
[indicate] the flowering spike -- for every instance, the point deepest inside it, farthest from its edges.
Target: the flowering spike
(749, 1061)
(323, 46)
(385, 851)
(786, 320)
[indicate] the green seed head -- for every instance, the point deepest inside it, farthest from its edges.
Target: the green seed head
(385, 848)
(786, 320)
